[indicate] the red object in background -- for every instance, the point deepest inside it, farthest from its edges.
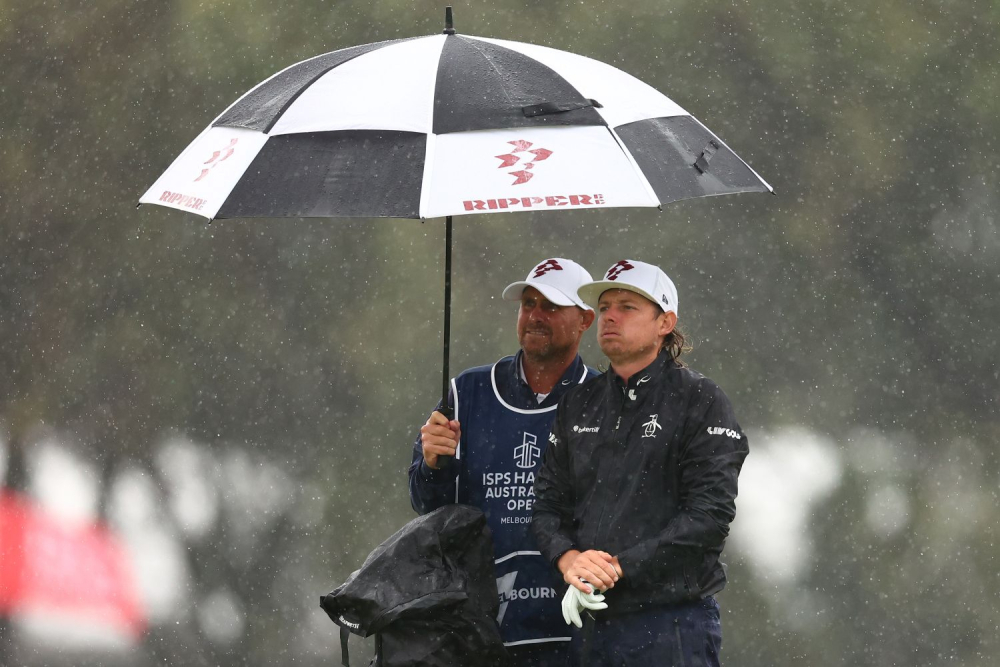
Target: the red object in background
(48, 567)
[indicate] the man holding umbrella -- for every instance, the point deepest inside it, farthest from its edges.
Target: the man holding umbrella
(487, 456)
(638, 485)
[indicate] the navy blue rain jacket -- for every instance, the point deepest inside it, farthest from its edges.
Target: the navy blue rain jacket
(646, 471)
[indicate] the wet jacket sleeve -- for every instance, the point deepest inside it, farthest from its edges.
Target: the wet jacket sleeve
(430, 488)
(552, 513)
(713, 450)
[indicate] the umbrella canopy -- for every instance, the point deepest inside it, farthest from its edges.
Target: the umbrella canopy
(447, 125)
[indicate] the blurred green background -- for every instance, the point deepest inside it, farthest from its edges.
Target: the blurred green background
(247, 392)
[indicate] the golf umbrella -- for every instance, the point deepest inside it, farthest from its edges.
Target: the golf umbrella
(447, 125)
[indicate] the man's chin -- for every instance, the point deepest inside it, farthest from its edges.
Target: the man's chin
(536, 350)
(611, 348)
(546, 353)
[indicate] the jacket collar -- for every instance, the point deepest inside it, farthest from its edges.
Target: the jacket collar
(641, 380)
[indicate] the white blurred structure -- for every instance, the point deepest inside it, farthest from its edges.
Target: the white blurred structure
(152, 518)
(786, 475)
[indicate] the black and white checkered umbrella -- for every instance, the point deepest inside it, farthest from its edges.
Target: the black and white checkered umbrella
(447, 125)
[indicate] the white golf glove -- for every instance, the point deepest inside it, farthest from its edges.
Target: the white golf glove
(576, 600)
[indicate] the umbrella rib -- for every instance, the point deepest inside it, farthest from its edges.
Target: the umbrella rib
(723, 143)
(635, 167)
(485, 57)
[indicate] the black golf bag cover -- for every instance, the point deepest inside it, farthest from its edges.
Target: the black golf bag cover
(428, 593)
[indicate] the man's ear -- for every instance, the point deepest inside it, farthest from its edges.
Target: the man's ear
(588, 319)
(667, 322)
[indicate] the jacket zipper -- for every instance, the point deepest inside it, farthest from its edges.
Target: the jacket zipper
(599, 533)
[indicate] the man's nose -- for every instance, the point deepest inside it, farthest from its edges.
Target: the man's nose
(537, 313)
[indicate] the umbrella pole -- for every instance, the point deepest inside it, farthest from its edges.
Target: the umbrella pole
(445, 378)
(449, 29)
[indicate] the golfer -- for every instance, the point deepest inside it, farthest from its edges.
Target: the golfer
(488, 456)
(638, 485)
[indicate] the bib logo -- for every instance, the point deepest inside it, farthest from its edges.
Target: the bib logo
(505, 589)
(533, 593)
(527, 455)
(650, 427)
(510, 159)
(618, 269)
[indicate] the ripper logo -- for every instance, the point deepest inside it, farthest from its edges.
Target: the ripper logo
(618, 269)
(218, 157)
(180, 199)
(525, 203)
(510, 159)
(545, 267)
(527, 455)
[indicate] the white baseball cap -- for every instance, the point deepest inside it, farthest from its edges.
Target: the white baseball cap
(638, 277)
(557, 279)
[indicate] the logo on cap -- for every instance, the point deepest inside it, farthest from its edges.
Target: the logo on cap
(618, 269)
(545, 267)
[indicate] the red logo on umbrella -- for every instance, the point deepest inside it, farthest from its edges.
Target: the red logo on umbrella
(545, 267)
(510, 159)
(618, 269)
(216, 159)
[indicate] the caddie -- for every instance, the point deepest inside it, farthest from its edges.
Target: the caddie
(489, 454)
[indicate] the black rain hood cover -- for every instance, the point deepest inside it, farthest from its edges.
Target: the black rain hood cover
(429, 592)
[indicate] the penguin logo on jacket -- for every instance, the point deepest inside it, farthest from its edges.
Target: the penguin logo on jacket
(650, 427)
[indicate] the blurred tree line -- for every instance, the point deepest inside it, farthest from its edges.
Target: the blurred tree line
(860, 300)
